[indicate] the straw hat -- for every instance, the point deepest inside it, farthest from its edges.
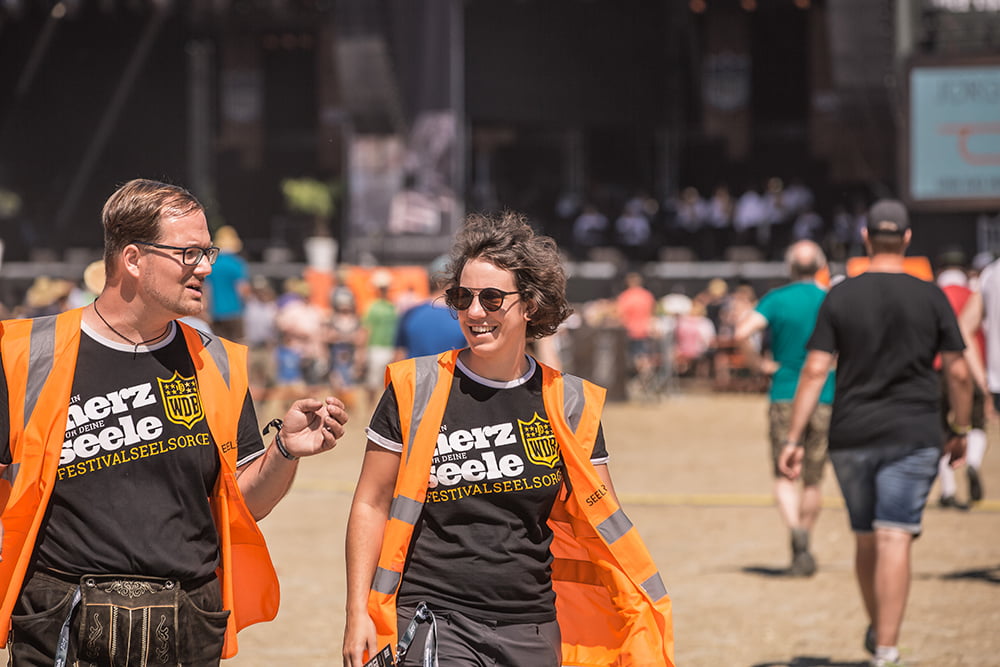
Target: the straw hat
(93, 277)
(45, 291)
(227, 238)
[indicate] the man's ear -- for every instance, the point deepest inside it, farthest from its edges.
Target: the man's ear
(130, 255)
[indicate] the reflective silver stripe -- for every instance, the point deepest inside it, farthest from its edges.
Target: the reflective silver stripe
(40, 359)
(573, 400)
(654, 587)
(426, 380)
(219, 356)
(614, 526)
(10, 474)
(385, 581)
(405, 509)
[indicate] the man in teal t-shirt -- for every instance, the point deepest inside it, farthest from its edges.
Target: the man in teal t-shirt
(789, 312)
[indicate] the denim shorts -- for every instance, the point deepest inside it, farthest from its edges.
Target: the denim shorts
(886, 486)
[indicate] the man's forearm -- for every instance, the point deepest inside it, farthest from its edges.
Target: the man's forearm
(811, 380)
(959, 391)
(265, 481)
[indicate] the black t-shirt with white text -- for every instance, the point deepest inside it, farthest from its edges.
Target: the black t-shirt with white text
(138, 465)
(886, 329)
(481, 546)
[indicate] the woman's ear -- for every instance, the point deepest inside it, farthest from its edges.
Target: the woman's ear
(530, 311)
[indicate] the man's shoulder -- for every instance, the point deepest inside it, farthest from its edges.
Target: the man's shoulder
(990, 275)
(797, 286)
(794, 291)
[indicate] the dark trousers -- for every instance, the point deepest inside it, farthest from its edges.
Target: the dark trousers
(119, 620)
(470, 642)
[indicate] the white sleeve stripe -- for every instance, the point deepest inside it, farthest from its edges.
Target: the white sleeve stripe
(600, 460)
(383, 442)
(250, 457)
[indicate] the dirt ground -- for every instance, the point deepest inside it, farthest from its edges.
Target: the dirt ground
(693, 475)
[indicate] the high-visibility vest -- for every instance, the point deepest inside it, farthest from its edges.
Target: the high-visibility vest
(39, 360)
(611, 604)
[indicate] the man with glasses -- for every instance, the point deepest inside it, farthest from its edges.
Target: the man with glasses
(133, 469)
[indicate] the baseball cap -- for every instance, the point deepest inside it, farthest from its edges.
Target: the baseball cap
(888, 216)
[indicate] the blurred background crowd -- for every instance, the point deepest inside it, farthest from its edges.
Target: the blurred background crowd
(675, 148)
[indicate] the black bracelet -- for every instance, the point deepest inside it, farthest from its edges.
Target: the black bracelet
(277, 424)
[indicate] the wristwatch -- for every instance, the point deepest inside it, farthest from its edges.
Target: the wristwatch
(959, 430)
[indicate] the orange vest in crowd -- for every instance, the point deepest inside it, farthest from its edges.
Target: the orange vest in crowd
(611, 604)
(39, 358)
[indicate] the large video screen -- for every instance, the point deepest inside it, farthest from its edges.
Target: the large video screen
(951, 157)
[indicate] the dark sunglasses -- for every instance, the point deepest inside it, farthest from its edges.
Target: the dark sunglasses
(490, 298)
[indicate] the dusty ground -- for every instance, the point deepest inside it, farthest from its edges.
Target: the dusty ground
(693, 476)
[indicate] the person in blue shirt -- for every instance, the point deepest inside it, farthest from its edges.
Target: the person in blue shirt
(429, 327)
(229, 286)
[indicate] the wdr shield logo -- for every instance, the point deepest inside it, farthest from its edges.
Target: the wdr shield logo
(539, 442)
(181, 400)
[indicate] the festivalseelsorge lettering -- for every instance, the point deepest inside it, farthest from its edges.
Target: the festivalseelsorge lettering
(484, 459)
(101, 431)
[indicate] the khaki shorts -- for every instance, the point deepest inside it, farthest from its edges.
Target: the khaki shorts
(814, 439)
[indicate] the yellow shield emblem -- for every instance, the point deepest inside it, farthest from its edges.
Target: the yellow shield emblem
(181, 401)
(539, 443)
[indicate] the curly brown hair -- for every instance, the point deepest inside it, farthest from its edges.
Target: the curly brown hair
(507, 241)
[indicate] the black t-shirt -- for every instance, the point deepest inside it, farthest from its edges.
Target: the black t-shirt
(886, 329)
(481, 546)
(138, 465)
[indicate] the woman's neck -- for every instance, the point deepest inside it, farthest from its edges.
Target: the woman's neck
(499, 370)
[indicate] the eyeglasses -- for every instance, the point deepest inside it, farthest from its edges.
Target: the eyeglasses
(191, 256)
(490, 298)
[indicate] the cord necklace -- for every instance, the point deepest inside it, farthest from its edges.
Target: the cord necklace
(124, 337)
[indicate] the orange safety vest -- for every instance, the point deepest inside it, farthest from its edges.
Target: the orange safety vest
(39, 358)
(611, 604)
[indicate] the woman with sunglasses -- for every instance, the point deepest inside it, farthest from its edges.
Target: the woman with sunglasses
(485, 528)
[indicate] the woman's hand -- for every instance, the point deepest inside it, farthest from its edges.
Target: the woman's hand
(359, 640)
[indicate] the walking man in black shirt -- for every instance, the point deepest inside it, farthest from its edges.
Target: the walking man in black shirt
(884, 328)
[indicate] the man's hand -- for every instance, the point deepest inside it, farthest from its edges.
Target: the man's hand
(955, 449)
(790, 461)
(312, 426)
(769, 366)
